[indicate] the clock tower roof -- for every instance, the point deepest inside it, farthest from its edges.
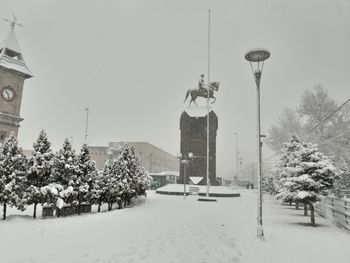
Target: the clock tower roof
(11, 55)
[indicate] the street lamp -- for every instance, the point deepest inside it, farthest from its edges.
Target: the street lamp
(240, 168)
(185, 159)
(86, 125)
(257, 57)
(235, 133)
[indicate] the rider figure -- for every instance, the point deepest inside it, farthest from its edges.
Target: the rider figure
(201, 87)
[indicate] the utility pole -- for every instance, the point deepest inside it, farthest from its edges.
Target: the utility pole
(208, 107)
(237, 157)
(86, 125)
(240, 167)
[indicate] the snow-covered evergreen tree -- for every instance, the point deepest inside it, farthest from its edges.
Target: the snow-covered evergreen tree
(12, 175)
(84, 180)
(114, 187)
(39, 168)
(288, 166)
(97, 189)
(65, 171)
(123, 169)
(305, 173)
(133, 177)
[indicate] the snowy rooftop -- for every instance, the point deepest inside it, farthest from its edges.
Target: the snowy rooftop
(11, 55)
(10, 41)
(10, 63)
(166, 173)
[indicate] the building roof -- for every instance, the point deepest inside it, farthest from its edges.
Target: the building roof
(10, 41)
(11, 55)
(164, 173)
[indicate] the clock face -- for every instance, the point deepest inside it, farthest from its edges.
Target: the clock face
(8, 93)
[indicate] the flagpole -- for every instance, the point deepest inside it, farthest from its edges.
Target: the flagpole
(208, 182)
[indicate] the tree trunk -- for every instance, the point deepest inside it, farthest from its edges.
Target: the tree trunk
(4, 215)
(312, 213)
(297, 205)
(34, 213)
(110, 205)
(290, 203)
(99, 208)
(79, 206)
(305, 209)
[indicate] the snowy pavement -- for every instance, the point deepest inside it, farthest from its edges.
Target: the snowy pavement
(170, 229)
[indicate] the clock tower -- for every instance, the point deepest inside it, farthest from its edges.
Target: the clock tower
(13, 72)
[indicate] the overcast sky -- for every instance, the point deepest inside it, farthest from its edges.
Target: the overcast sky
(131, 62)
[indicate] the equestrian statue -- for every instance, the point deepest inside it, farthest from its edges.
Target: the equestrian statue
(202, 90)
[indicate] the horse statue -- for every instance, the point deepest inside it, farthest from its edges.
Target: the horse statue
(213, 86)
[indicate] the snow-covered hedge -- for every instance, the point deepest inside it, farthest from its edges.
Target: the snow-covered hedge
(66, 178)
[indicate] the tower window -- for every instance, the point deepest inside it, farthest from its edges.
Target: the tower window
(13, 54)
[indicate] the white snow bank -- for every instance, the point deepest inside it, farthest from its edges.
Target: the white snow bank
(202, 188)
(165, 228)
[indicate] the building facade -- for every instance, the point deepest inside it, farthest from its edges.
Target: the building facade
(153, 159)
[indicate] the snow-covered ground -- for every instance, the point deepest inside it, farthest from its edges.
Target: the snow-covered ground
(202, 189)
(173, 229)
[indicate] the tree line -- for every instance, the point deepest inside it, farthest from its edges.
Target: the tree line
(66, 178)
(309, 122)
(312, 141)
(301, 175)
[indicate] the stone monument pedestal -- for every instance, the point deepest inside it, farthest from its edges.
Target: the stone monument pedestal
(193, 126)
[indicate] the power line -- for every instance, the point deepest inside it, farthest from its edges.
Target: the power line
(322, 121)
(318, 124)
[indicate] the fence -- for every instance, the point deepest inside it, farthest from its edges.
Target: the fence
(335, 209)
(345, 193)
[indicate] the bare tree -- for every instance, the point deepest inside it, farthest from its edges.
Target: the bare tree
(288, 124)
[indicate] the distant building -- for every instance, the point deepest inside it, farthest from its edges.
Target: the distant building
(27, 153)
(163, 178)
(153, 159)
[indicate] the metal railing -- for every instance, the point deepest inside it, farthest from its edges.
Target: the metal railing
(335, 209)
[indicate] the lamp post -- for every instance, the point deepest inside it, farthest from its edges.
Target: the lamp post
(185, 159)
(257, 57)
(86, 125)
(235, 133)
(240, 167)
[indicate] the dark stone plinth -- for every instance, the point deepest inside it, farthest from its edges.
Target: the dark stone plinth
(193, 126)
